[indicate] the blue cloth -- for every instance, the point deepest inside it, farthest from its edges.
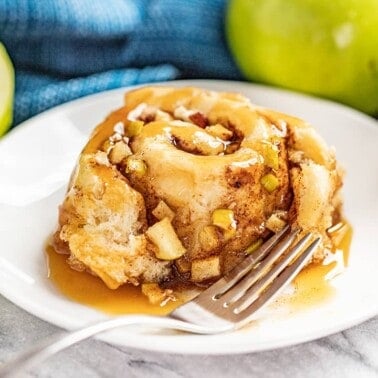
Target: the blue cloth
(65, 49)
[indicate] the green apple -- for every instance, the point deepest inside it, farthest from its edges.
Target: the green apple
(327, 48)
(6, 90)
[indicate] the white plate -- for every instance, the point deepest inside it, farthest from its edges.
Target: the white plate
(35, 162)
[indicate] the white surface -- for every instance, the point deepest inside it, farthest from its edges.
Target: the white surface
(26, 220)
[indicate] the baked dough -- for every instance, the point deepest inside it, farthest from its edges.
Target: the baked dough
(183, 181)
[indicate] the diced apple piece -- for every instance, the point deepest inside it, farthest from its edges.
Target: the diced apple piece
(119, 152)
(135, 166)
(270, 153)
(208, 238)
(224, 219)
(274, 223)
(163, 235)
(162, 210)
(134, 128)
(205, 269)
(270, 182)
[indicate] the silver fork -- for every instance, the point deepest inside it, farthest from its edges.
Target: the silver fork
(228, 304)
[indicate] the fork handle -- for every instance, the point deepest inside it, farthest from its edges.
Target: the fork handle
(63, 340)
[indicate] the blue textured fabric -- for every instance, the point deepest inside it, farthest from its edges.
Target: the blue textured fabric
(65, 49)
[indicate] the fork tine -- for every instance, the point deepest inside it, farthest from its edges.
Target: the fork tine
(229, 280)
(248, 294)
(278, 285)
(255, 274)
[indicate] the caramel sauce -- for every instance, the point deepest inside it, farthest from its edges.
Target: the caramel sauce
(104, 130)
(89, 290)
(311, 287)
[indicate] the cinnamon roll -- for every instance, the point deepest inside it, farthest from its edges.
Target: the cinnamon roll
(184, 182)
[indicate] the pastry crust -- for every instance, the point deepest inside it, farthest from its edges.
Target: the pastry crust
(177, 156)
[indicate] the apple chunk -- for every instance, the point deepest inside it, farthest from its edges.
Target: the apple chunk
(205, 269)
(163, 235)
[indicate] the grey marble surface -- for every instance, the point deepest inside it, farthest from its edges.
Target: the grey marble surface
(352, 353)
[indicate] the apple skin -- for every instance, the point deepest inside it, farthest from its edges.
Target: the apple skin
(6, 90)
(328, 48)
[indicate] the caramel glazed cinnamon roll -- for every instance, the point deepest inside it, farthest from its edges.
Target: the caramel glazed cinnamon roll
(185, 182)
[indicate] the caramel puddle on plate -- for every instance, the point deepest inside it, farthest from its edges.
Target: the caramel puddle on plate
(89, 290)
(311, 286)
